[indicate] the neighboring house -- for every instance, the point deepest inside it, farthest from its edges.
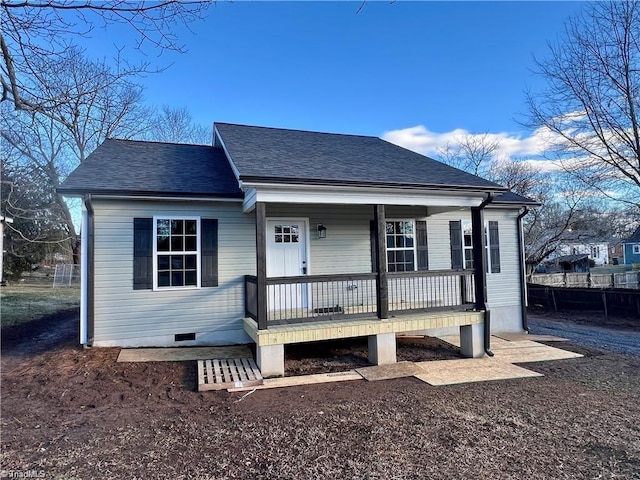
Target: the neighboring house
(283, 236)
(578, 263)
(616, 251)
(632, 248)
(596, 250)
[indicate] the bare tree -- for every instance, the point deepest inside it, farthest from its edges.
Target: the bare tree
(175, 124)
(563, 203)
(546, 227)
(37, 35)
(35, 229)
(100, 103)
(473, 153)
(591, 102)
(518, 176)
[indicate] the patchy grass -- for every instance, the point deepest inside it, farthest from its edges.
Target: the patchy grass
(24, 303)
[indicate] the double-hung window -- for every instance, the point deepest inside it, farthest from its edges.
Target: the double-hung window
(171, 253)
(176, 252)
(636, 249)
(461, 235)
(467, 244)
(401, 246)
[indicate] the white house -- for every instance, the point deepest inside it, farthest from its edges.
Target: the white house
(278, 236)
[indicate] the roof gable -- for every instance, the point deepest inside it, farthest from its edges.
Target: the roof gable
(266, 154)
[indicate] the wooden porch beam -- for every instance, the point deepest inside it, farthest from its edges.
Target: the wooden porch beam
(261, 265)
(382, 286)
(479, 257)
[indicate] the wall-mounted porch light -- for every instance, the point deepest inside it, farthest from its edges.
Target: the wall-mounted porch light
(322, 231)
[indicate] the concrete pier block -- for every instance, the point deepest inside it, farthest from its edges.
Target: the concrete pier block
(270, 360)
(382, 348)
(472, 340)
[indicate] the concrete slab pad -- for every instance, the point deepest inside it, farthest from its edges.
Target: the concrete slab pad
(530, 352)
(179, 354)
(302, 380)
(452, 372)
(387, 372)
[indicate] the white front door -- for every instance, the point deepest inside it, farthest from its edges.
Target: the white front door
(286, 257)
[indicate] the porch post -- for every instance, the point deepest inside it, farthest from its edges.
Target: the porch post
(479, 257)
(382, 286)
(261, 264)
(470, 337)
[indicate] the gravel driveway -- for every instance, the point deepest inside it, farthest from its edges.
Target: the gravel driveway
(613, 340)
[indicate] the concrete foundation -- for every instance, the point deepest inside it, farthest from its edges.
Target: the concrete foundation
(472, 341)
(382, 348)
(270, 360)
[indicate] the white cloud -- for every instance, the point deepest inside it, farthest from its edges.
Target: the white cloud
(545, 165)
(422, 140)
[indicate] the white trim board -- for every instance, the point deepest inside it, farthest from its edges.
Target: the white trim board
(313, 194)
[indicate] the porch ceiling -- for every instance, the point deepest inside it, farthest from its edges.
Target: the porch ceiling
(318, 331)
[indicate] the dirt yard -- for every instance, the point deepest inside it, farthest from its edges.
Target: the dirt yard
(71, 413)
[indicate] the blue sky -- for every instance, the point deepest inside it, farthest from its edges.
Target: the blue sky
(412, 72)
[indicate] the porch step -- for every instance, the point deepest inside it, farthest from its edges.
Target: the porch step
(219, 374)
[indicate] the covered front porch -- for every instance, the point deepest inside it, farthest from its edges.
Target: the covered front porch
(385, 294)
(270, 342)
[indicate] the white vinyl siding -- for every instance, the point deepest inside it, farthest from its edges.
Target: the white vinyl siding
(123, 314)
(346, 249)
(504, 287)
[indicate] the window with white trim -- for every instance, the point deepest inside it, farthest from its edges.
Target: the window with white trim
(636, 249)
(401, 245)
(492, 241)
(176, 252)
(461, 235)
(467, 244)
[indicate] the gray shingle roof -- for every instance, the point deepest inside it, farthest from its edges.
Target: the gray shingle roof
(635, 238)
(145, 168)
(513, 198)
(274, 154)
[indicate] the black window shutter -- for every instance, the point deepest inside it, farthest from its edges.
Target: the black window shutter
(142, 253)
(494, 247)
(209, 252)
(455, 235)
(421, 244)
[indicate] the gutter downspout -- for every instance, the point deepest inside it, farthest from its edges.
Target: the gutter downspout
(523, 275)
(86, 273)
(487, 314)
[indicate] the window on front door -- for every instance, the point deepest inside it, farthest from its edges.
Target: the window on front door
(287, 234)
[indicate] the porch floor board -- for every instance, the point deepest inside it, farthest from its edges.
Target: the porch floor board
(358, 327)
